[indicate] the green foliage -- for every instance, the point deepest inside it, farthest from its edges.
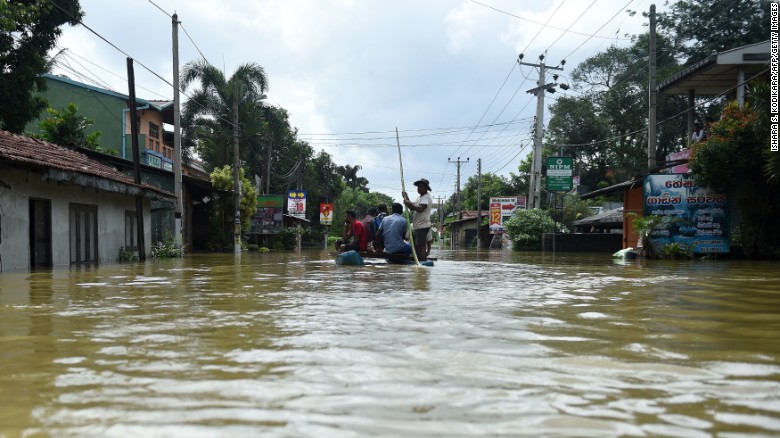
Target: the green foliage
(28, 30)
(358, 200)
(349, 173)
(68, 127)
(526, 227)
(285, 239)
(492, 186)
(575, 209)
(126, 255)
(224, 206)
(676, 250)
(166, 250)
(702, 27)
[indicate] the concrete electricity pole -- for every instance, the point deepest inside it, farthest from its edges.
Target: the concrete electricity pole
(535, 183)
(236, 176)
(457, 196)
(177, 230)
(479, 201)
(651, 117)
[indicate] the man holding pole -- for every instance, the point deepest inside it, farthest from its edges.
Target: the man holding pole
(422, 217)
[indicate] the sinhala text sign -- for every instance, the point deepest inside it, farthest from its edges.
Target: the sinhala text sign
(501, 209)
(701, 216)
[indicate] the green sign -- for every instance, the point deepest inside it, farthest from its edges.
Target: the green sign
(559, 171)
(269, 201)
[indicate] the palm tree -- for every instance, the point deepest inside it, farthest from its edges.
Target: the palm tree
(207, 117)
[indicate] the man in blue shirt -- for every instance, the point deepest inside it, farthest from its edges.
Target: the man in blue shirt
(393, 230)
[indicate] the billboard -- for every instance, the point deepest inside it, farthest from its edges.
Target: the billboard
(326, 214)
(268, 218)
(502, 209)
(700, 215)
(296, 203)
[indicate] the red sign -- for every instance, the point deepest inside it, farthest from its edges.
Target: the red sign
(326, 214)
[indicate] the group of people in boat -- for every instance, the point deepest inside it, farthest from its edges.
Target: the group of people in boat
(388, 233)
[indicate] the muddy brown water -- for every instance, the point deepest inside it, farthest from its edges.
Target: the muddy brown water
(495, 343)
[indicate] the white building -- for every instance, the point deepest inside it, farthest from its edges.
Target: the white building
(58, 207)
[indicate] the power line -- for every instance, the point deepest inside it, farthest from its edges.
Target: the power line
(536, 22)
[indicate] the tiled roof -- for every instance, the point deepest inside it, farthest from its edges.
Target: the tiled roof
(37, 153)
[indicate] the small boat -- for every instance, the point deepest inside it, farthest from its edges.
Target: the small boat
(355, 258)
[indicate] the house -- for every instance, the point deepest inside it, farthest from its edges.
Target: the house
(58, 207)
(110, 112)
(463, 230)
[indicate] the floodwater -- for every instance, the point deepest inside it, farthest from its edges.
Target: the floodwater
(493, 343)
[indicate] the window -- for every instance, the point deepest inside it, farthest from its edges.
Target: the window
(151, 145)
(131, 231)
(40, 232)
(154, 130)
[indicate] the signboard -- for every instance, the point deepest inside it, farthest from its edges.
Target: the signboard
(268, 218)
(326, 214)
(153, 160)
(504, 209)
(296, 203)
(495, 219)
(684, 154)
(701, 216)
(559, 171)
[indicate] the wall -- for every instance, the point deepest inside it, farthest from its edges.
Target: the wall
(15, 245)
(104, 109)
(633, 202)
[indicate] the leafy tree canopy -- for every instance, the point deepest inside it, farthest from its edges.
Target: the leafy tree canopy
(68, 127)
(28, 30)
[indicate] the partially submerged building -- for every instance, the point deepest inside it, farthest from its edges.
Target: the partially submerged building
(59, 207)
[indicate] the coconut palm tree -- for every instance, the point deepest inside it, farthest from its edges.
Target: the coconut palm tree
(207, 116)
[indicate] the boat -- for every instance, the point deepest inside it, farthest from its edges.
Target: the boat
(355, 258)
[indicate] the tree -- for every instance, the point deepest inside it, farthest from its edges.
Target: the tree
(350, 177)
(28, 30)
(736, 160)
(701, 27)
(526, 227)
(68, 128)
(224, 204)
(492, 186)
(207, 117)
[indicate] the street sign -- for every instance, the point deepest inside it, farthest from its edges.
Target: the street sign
(559, 174)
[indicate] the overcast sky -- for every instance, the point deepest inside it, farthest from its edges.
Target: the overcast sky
(349, 72)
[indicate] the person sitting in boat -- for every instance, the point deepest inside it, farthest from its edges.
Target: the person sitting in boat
(370, 226)
(422, 217)
(392, 231)
(355, 236)
(377, 243)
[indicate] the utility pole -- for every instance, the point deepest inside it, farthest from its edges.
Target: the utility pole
(479, 201)
(458, 162)
(300, 187)
(441, 222)
(268, 168)
(177, 229)
(535, 183)
(651, 133)
(236, 176)
(139, 199)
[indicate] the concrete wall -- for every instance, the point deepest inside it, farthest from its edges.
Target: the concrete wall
(14, 212)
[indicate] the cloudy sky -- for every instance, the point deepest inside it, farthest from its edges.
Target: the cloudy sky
(443, 72)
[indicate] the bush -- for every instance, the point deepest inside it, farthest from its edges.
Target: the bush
(166, 250)
(526, 227)
(126, 255)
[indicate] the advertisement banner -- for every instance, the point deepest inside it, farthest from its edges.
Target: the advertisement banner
(495, 218)
(296, 203)
(700, 216)
(505, 208)
(326, 214)
(268, 218)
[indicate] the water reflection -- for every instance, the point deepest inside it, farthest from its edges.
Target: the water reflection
(484, 343)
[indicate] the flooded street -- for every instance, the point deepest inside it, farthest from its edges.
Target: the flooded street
(494, 343)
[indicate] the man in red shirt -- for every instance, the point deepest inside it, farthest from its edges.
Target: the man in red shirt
(355, 235)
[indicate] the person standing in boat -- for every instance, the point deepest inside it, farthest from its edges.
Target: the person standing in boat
(355, 237)
(392, 232)
(422, 217)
